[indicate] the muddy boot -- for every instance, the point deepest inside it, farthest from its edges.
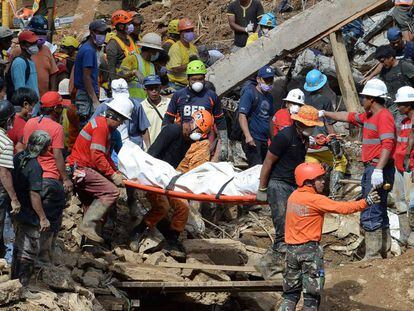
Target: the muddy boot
(272, 264)
(386, 242)
(90, 220)
(373, 244)
(334, 185)
(22, 270)
(47, 247)
(138, 234)
(173, 246)
(287, 305)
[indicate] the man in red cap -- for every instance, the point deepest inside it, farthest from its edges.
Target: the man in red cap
(53, 166)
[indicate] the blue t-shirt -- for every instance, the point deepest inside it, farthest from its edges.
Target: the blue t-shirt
(18, 75)
(258, 119)
(87, 58)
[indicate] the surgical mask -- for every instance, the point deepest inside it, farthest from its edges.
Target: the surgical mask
(33, 50)
(197, 87)
(196, 136)
(264, 31)
(265, 87)
(130, 29)
(294, 109)
(307, 132)
(154, 57)
(41, 40)
(189, 36)
(100, 39)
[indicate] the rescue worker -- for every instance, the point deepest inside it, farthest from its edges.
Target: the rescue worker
(181, 53)
(378, 143)
(292, 103)
(6, 37)
(196, 97)
(315, 82)
(120, 44)
(55, 179)
(32, 219)
(404, 163)
(136, 67)
(183, 146)
(65, 58)
(277, 180)
(95, 176)
(173, 35)
(267, 22)
(137, 21)
(305, 213)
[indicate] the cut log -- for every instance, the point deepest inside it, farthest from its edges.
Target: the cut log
(291, 36)
(208, 267)
(84, 15)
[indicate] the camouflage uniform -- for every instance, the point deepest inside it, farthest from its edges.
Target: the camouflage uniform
(303, 272)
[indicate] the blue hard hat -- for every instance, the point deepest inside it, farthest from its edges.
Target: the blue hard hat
(268, 20)
(315, 80)
(152, 80)
(38, 24)
(266, 72)
(394, 34)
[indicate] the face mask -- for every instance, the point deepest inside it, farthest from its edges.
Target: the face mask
(41, 40)
(155, 57)
(100, 40)
(196, 136)
(308, 132)
(197, 86)
(294, 109)
(189, 36)
(265, 87)
(130, 29)
(33, 50)
(163, 71)
(264, 31)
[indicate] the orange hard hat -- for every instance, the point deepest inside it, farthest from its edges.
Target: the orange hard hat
(308, 115)
(120, 17)
(308, 171)
(185, 24)
(203, 120)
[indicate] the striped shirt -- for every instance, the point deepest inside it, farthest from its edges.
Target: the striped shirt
(6, 150)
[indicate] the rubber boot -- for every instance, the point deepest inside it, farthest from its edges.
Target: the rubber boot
(386, 242)
(46, 248)
(272, 264)
(373, 244)
(287, 305)
(173, 246)
(334, 185)
(138, 234)
(22, 270)
(94, 214)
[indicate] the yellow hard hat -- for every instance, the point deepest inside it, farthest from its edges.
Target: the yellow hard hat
(70, 41)
(173, 27)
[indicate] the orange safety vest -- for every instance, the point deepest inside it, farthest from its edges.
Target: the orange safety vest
(127, 49)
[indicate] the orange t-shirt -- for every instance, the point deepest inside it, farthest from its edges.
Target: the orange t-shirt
(305, 213)
(55, 131)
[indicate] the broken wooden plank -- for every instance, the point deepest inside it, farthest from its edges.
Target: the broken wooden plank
(344, 73)
(143, 272)
(213, 286)
(207, 267)
(291, 36)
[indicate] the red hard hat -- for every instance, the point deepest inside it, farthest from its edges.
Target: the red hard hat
(52, 99)
(185, 24)
(308, 171)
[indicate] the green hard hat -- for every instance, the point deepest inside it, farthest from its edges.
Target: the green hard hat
(196, 67)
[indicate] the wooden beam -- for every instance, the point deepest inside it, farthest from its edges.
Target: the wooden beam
(213, 286)
(207, 267)
(344, 73)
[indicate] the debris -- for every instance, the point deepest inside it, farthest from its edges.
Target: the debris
(10, 291)
(58, 278)
(143, 272)
(152, 242)
(92, 278)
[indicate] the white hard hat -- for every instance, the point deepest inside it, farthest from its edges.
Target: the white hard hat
(102, 95)
(405, 94)
(64, 87)
(122, 105)
(295, 96)
(119, 87)
(375, 88)
(151, 40)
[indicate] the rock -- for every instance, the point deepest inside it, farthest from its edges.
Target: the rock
(85, 262)
(67, 259)
(128, 255)
(92, 278)
(152, 243)
(74, 302)
(207, 298)
(58, 278)
(10, 291)
(143, 272)
(77, 274)
(155, 258)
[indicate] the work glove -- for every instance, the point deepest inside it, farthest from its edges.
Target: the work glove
(224, 151)
(373, 197)
(377, 178)
(117, 178)
(249, 27)
(407, 163)
(261, 195)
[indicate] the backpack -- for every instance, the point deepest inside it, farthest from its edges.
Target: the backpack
(10, 89)
(236, 133)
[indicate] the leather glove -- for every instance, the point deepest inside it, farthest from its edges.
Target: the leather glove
(377, 178)
(261, 195)
(224, 150)
(373, 197)
(407, 163)
(117, 178)
(249, 27)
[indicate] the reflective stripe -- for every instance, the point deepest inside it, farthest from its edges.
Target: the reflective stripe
(402, 139)
(86, 135)
(93, 123)
(98, 147)
(406, 126)
(374, 141)
(370, 126)
(387, 136)
(358, 119)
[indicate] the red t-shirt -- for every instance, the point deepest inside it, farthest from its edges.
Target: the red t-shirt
(16, 133)
(55, 131)
(281, 119)
(378, 133)
(402, 143)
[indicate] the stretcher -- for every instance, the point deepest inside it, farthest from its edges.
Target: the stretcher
(217, 198)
